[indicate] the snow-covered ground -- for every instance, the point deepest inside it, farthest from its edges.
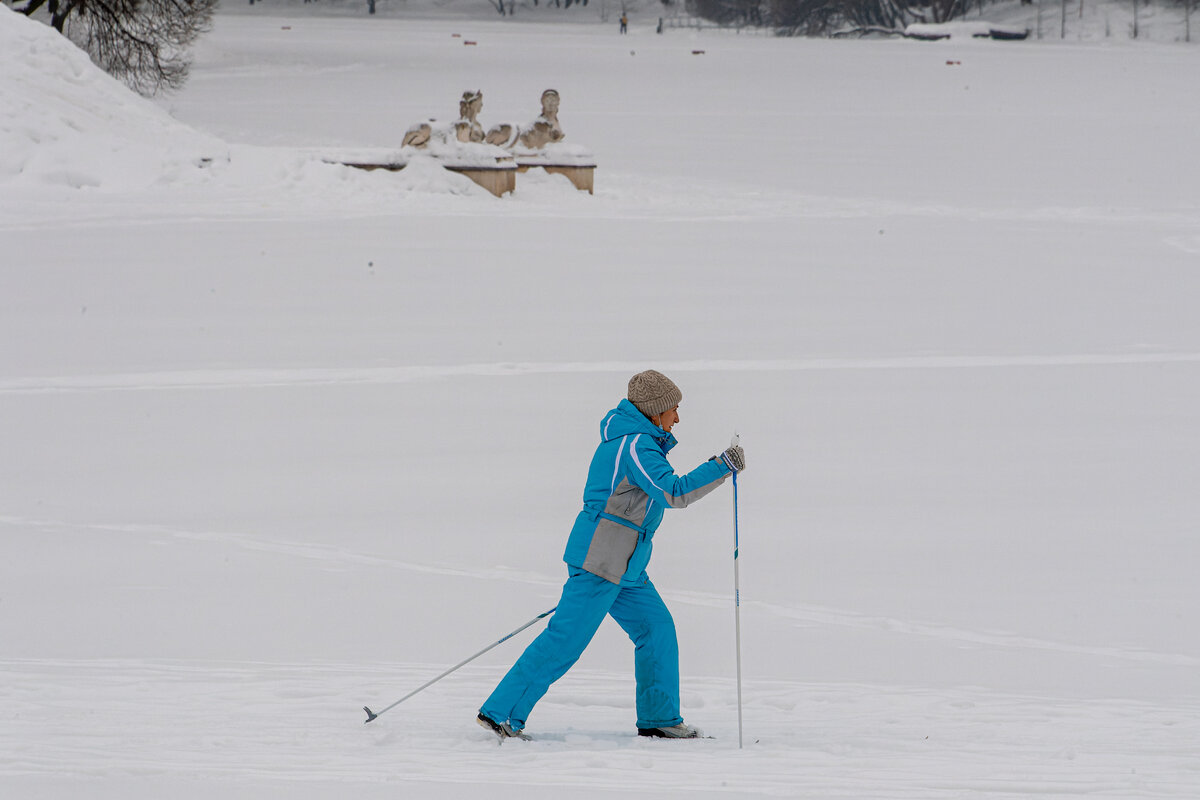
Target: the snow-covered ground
(281, 439)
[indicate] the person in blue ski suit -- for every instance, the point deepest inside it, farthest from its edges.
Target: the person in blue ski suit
(630, 485)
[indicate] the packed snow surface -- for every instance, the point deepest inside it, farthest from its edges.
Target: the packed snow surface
(280, 438)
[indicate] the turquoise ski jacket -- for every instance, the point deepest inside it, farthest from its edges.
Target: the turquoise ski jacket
(629, 485)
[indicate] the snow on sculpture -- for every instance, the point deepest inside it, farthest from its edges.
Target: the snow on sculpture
(540, 145)
(545, 129)
(418, 135)
(466, 128)
(503, 135)
(493, 158)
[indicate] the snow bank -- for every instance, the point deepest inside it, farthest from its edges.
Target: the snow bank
(65, 122)
(314, 179)
(559, 153)
(464, 154)
(963, 29)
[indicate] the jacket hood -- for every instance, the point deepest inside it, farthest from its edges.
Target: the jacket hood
(626, 420)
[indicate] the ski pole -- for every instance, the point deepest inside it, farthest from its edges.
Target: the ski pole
(371, 715)
(737, 598)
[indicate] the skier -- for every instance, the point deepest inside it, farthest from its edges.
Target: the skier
(624, 24)
(629, 485)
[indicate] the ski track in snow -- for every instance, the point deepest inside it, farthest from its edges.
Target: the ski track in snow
(1188, 244)
(804, 615)
(622, 196)
(250, 378)
(300, 723)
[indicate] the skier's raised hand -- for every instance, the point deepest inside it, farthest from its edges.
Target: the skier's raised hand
(734, 458)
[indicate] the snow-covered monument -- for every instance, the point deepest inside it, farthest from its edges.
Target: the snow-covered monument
(493, 158)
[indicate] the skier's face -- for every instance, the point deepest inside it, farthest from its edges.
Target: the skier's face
(667, 419)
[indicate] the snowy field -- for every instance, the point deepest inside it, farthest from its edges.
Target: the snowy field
(280, 439)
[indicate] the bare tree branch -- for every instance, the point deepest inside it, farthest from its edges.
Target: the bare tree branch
(29, 7)
(142, 42)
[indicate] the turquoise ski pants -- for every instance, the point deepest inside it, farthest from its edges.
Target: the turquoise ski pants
(586, 599)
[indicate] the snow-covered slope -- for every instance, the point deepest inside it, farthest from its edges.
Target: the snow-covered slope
(64, 122)
(66, 125)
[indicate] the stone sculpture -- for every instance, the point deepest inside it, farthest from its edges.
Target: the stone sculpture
(418, 135)
(545, 129)
(503, 135)
(493, 159)
(536, 135)
(466, 128)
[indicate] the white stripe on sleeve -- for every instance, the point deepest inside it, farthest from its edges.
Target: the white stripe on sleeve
(617, 466)
(633, 452)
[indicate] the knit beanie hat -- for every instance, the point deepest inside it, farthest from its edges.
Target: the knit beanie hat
(653, 393)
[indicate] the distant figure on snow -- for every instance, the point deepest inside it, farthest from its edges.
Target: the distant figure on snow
(624, 23)
(629, 485)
